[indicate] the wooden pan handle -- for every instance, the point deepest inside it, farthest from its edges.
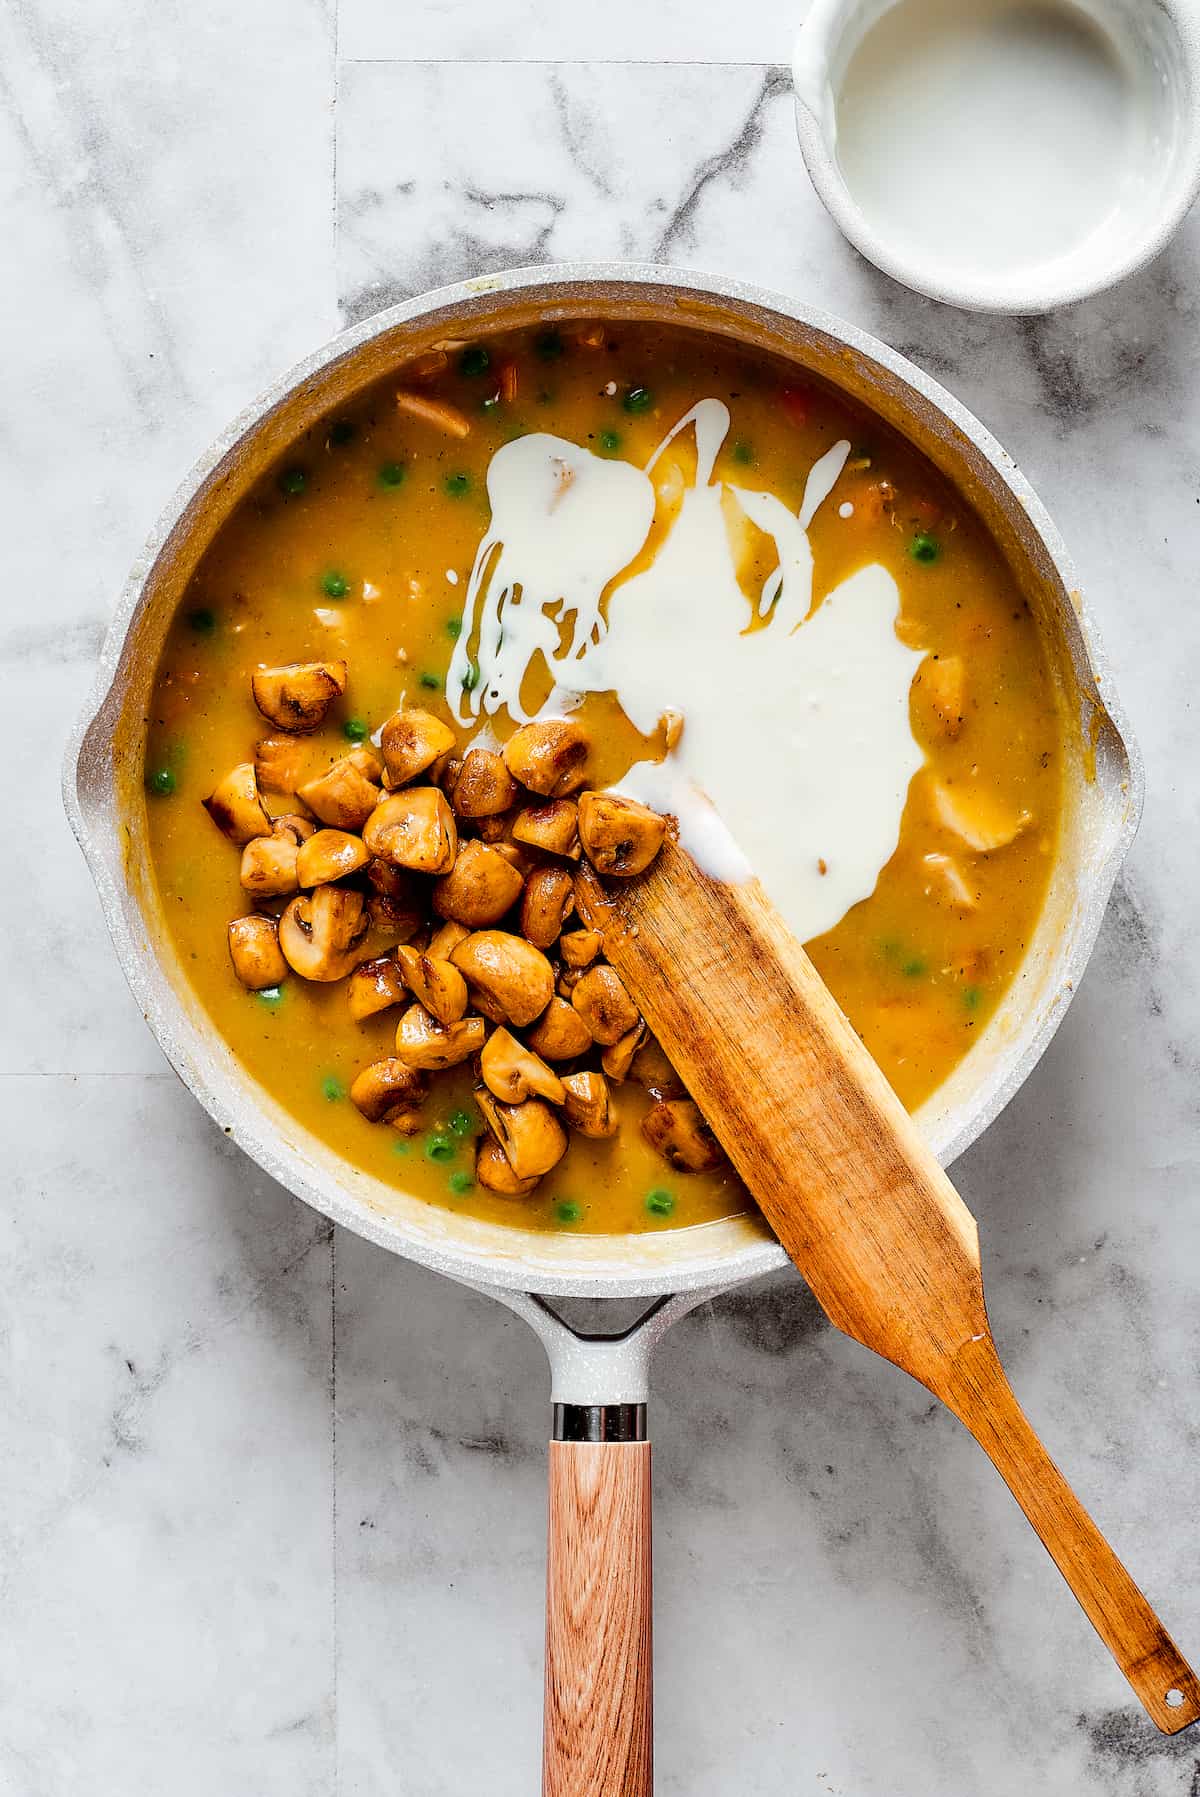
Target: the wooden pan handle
(1161, 1678)
(599, 1673)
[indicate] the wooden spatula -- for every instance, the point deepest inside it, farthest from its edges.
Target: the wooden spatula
(857, 1200)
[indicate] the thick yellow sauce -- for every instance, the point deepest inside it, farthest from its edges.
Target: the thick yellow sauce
(391, 510)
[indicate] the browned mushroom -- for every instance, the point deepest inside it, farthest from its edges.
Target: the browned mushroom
(297, 697)
(330, 855)
(436, 984)
(235, 807)
(411, 741)
(423, 1042)
(374, 986)
(553, 827)
(506, 972)
(620, 836)
(484, 786)
(548, 899)
(389, 1092)
(279, 763)
(494, 1173)
(345, 795)
(678, 1131)
(531, 1136)
(414, 829)
(651, 1069)
(268, 867)
(513, 1073)
(480, 887)
(579, 948)
(618, 1057)
(321, 932)
(560, 1034)
(942, 683)
(588, 1105)
(601, 1000)
(548, 756)
(446, 939)
(254, 951)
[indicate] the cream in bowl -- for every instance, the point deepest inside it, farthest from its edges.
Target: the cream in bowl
(1007, 155)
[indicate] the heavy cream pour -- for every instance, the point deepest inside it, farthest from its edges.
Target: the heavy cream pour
(797, 731)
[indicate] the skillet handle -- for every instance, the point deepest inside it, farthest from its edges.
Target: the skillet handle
(599, 1715)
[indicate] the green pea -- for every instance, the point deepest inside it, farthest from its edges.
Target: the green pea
(355, 730)
(924, 548)
(638, 399)
(972, 998)
(461, 1124)
(549, 345)
(334, 585)
(161, 782)
(203, 621)
(332, 1089)
(457, 484)
(567, 1211)
(660, 1202)
(270, 996)
(391, 474)
(440, 1148)
(341, 432)
(742, 453)
(470, 679)
(401, 1148)
(454, 628)
(914, 967)
(474, 361)
(431, 683)
(610, 442)
(292, 482)
(460, 1182)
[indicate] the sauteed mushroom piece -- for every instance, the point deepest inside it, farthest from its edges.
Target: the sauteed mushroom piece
(321, 932)
(560, 1034)
(548, 899)
(678, 1131)
(423, 1042)
(437, 412)
(601, 1000)
(330, 855)
(235, 807)
(435, 983)
(411, 741)
(279, 763)
(494, 1173)
(480, 887)
(617, 1059)
(553, 827)
(414, 829)
(651, 1069)
(296, 697)
(588, 1105)
(983, 821)
(484, 786)
(579, 948)
(389, 1092)
(548, 757)
(513, 1073)
(507, 972)
(345, 795)
(446, 939)
(254, 951)
(620, 836)
(947, 883)
(268, 867)
(531, 1136)
(373, 986)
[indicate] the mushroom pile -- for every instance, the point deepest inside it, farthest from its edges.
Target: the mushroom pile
(464, 866)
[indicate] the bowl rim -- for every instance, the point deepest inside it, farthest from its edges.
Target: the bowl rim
(810, 64)
(262, 1140)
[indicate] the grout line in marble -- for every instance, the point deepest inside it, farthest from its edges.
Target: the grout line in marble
(166, 1075)
(564, 62)
(333, 134)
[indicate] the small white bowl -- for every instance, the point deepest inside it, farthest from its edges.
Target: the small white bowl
(1158, 40)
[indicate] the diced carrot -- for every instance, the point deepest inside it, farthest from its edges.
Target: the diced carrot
(924, 512)
(508, 381)
(796, 403)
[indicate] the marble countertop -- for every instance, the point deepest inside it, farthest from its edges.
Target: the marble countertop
(271, 1502)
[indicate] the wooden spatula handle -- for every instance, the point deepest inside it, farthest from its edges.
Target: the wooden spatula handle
(981, 1397)
(599, 1674)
